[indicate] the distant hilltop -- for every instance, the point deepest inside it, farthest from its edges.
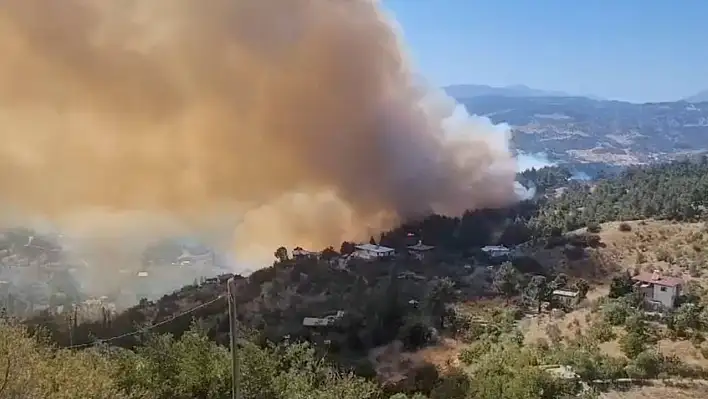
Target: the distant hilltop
(699, 97)
(471, 90)
(583, 130)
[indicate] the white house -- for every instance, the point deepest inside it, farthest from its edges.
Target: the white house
(186, 258)
(496, 251)
(419, 250)
(566, 297)
(657, 290)
(371, 251)
(300, 253)
(322, 321)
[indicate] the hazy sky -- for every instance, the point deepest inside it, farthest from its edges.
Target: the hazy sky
(636, 50)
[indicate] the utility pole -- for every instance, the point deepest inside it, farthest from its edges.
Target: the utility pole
(235, 366)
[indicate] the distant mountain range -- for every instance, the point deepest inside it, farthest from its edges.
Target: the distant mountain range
(578, 129)
(698, 97)
(470, 90)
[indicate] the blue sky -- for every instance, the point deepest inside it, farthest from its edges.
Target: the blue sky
(635, 50)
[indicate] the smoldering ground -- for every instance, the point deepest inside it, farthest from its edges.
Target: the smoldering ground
(255, 123)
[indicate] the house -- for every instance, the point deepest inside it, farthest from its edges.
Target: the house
(565, 297)
(419, 250)
(322, 321)
(657, 290)
(189, 257)
(496, 251)
(410, 275)
(299, 253)
(371, 251)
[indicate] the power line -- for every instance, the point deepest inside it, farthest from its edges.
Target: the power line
(148, 328)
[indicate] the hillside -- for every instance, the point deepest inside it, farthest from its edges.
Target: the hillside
(458, 322)
(470, 90)
(580, 129)
(699, 97)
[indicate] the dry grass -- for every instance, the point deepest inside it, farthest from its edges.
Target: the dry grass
(659, 392)
(676, 249)
(685, 351)
(393, 364)
(669, 247)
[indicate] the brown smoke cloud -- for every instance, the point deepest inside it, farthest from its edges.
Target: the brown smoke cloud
(257, 123)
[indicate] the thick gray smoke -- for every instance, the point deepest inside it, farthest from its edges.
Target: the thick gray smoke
(255, 123)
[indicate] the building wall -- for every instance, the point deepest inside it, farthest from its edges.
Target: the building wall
(647, 292)
(665, 295)
(373, 254)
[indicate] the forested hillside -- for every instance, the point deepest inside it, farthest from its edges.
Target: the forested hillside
(676, 191)
(176, 347)
(580, 129)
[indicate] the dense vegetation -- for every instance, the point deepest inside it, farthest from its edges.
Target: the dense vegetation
(675, 191)
(404, 299)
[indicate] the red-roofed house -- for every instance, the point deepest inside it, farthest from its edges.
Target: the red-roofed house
(659, 290)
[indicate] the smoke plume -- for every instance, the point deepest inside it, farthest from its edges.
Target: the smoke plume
(255, 123)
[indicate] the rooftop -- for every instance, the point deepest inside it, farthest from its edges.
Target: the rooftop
(494, 248)
(374, 248)
(299, 251)
(421, 247)
(566, 293)
(657, 278)
(316, 322)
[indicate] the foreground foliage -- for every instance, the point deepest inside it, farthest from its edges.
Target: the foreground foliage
(195, 367)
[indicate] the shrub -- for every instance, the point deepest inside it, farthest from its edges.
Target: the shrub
(632, 344)
(415, 335)
(554, 333)
(615, 313)
(601, 332)
(473, 352)
(624, 227)
(593, 227)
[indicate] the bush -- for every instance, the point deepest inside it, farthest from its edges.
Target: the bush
(647, 364)
(615, 313)
(415, 334)
(601, 332)
(624, 227)
(554, 334)
(473, 352)
(632, 344)
(593, 228)
(168, 368)
(454, 385)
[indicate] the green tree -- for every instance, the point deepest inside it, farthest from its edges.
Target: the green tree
(506, 280)
(441, 293)
(616, 312)
(621, 285)
(537, 291)
(328, 254)
(601, 331)
(347, 248)
(639, 336)
(453, 385)
(632, 344)
(281, 254)
(687, 316)
(582, 287)
(559, 282)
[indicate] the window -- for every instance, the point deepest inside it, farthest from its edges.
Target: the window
(663, 289)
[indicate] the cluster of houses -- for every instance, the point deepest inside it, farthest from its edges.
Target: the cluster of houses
(370, 252)
(419, 251)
